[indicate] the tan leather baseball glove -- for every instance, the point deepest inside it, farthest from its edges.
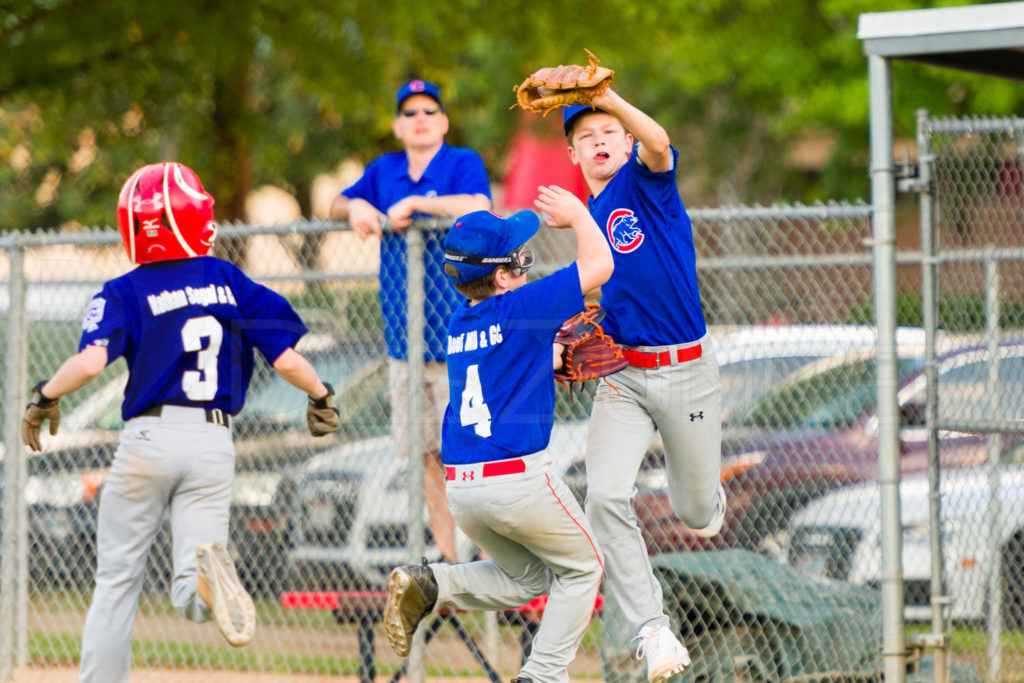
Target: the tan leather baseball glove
(560, 86)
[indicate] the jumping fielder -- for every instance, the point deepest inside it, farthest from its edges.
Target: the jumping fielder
(501, 487)
(671, 383)
(187, 324)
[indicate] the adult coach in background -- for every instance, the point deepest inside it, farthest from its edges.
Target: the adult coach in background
(428, 178)
(187, 325)
(671, 383)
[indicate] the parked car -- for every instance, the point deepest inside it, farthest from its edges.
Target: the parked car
(350, 524)
(823, 434)
(752, 360)
(270, 437)
(838, 536)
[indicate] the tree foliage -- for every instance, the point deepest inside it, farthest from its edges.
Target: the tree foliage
(266, 91)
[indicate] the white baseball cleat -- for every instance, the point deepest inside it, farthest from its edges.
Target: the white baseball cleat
(219, 586)
(665, 655)
(715, 525)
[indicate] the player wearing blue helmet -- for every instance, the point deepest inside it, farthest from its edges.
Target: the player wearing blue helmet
(671, 383)
(187, 324)
(501, 487)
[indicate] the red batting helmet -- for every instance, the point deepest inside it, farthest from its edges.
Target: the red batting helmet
(164, 213)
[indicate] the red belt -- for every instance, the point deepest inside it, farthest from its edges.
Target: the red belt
(489, 469)
(657, 359)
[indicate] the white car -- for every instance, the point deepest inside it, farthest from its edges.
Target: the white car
(838, 536)
(752, 360)
(350, 522)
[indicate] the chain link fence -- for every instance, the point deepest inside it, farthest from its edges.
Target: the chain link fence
(316, 524)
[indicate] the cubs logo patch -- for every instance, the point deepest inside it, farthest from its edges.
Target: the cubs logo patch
(94, 314)
(623, 230)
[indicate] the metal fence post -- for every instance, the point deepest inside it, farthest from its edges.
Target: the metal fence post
(415, 324)
(992, 514)
(883, 188)
(930, 315)
(12, 591)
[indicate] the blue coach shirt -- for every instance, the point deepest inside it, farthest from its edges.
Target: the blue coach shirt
(644, 221)
(453, 170)
(500, 372)
(187, 329)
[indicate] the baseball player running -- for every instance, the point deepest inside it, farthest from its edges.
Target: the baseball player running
(187, 324)
(501, 488)
(671, 383)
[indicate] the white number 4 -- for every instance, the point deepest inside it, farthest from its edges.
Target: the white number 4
(474, 411)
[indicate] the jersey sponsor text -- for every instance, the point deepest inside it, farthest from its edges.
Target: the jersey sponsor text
(196, 296)
(475, 339)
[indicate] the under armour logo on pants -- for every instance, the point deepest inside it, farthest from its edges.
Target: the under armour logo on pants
(468, 476)
(696, 416)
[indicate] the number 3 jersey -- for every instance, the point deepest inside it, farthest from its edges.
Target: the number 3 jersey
(500, 370)
(187, 329)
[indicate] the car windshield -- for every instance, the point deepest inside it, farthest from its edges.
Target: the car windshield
(745, 381)
(832, 398)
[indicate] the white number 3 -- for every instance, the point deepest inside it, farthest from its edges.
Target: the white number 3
(474, 411)
(201, 384)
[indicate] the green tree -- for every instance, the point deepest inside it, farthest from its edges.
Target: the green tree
(264, 91)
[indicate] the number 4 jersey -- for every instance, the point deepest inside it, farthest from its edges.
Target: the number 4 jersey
(187, 329)
(500, 370)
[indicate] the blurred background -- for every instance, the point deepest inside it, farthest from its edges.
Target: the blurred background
(278, 106)
(766, 100)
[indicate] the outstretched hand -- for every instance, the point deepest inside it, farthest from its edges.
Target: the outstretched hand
(322, 417)
(37, 413)
(561, 206)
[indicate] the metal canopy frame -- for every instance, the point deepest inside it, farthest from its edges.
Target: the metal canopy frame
(986, 39)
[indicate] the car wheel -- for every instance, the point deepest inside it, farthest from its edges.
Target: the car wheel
(1012, 583)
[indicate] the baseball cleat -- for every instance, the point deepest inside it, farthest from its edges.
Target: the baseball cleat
(665, 655)
(219, 586)
(715, 525)
(412, 593)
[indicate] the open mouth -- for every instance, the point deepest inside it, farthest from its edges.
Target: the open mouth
(601, 156)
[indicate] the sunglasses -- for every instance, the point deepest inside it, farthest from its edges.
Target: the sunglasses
(429, 111)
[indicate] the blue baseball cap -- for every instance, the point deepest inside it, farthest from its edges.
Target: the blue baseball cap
(481, 241)
(572, 111)
(418, 86)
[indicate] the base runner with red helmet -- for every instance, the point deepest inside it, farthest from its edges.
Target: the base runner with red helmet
(187, 324)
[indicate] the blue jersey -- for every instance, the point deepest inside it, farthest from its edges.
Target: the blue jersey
(652, 298)
(500, 371)
(187, 329)
(453, 170)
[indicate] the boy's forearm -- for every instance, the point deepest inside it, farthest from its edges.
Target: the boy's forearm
(76, 372)
(593, 255)
(295, 369)
(452, 205)
(654, 141)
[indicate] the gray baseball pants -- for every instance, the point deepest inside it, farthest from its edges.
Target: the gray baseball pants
(682, 402)
(176, 461)
(539, 542)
